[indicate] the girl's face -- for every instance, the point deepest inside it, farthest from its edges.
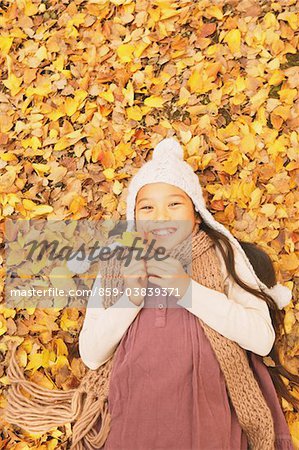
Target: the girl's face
(164, 206)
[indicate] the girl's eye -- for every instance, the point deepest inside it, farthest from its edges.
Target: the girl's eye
(173, 203)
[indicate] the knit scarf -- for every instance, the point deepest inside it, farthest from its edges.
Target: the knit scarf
(38, 409)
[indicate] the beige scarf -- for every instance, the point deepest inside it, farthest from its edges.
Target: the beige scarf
(37, 409)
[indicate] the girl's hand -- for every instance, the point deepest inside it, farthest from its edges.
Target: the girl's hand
(135, 276)
(168, 274)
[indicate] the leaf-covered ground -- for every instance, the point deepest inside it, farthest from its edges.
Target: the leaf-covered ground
(87, 90)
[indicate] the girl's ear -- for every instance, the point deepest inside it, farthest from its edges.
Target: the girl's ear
(197, 217)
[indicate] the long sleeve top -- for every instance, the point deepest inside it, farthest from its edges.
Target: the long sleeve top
(236, 314)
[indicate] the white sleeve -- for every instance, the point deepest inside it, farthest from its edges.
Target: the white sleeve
(236, 314)
(103, 328)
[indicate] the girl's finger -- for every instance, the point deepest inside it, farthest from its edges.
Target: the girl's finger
(135, 274)
(160, 264)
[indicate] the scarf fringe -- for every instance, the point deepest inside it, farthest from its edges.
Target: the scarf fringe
(46, 409)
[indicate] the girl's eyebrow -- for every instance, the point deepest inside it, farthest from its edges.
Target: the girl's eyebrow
(170, 195)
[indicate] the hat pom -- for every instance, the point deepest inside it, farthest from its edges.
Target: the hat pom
(280, 294)
(168, 148)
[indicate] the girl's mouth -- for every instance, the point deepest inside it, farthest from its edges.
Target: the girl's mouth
(163, 232)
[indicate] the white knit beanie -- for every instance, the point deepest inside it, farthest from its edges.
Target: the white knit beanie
(168, 166)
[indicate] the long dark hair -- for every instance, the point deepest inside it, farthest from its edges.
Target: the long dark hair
(264, 269)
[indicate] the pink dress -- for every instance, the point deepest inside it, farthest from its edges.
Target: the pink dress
(167, 391)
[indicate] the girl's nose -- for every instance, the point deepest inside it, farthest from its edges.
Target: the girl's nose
(163, 214)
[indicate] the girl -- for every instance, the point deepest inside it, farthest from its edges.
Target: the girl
(166, 389)
(180, 377)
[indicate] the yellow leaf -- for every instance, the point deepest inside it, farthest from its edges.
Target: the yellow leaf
(38, 360)
(124, 52)
(117, 187)
(29, 205)
(7, 312)
(154, 101)
(32, 142)
(282, 111)
(77, 204)
(3, 327)
(270, 20)
(55, 115)
(7, 156)
(193, 145)
(185, 136)
(268, 209)
(276, 77)
(5, 44)
(21, 446)
(247, 144)
(289, 320)
(109, 202)
(239, 98)
(214, 11)
(41, 168)
(42, 380)
(139, 49)
(168, 12)
(109, 174)
(184, 96)
(43, 88)
(195, 80)
(107, 95)
(206, 159)
(70, 106)
(66, 323)
(40, 210)
(278, 146)
(30, 8)
(39, 56)
(134, 112)
(289, 262)
(52, 444)
(61, 347)
(291, 17)
(61, 361)
(13, 83)
(240, 84)
(127, 239)
(5, 380)
(287, 95)
(259, 98)
(7, 179)
(22, 357)
(128, 93)
(233, 39)
(255, 198)
(62, 144)
(212, 50)
(281, 212)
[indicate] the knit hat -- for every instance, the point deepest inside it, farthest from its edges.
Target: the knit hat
(168, 166)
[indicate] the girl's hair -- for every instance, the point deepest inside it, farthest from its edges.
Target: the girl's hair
(264, 269)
